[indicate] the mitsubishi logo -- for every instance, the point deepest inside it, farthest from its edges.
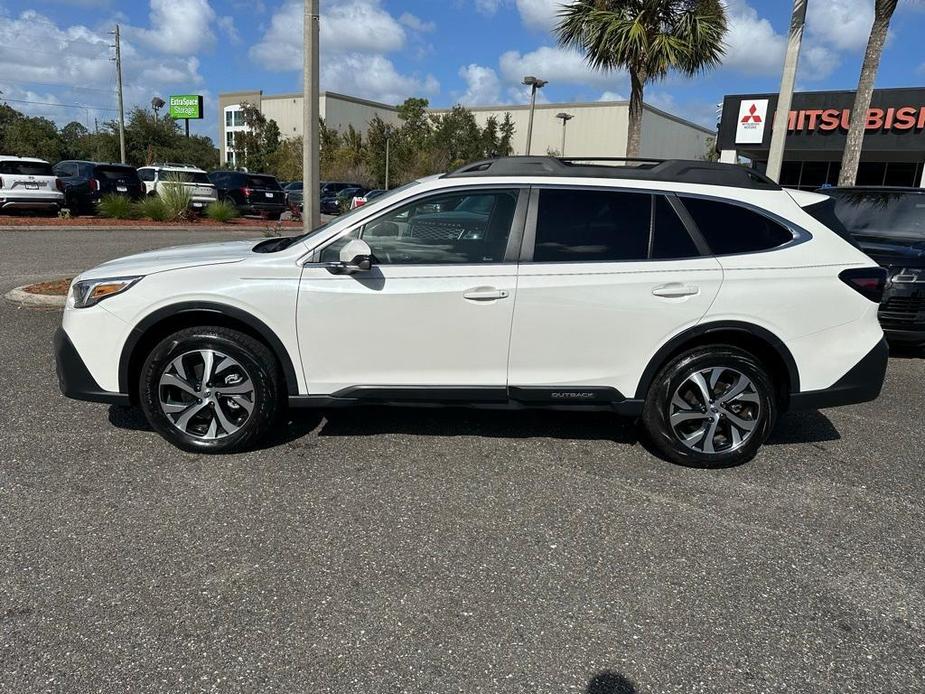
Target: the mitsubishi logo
(752, 115)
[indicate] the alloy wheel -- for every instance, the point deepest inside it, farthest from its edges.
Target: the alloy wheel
(206, 394)
(715, 410)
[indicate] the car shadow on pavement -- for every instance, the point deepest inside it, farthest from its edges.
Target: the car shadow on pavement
(907, 352)
(805, 426)
(609, 682)
(292, 426)
(455, 421)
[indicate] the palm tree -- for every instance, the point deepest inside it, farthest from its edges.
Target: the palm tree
(883, 13)
(647, 38)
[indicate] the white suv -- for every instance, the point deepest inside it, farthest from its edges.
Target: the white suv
(29, 184)
(202, 190)
(700, 297)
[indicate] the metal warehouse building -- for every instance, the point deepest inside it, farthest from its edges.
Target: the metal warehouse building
(817, 129)
(596, 129)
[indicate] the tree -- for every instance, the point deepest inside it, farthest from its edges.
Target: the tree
(286, 162)
(883, 13)
(647, 38)
(256, 145)
(33, 137)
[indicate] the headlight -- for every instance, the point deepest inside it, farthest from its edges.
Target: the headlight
(91, 292)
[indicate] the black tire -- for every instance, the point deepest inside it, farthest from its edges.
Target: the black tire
(254, 364)
(759, 411)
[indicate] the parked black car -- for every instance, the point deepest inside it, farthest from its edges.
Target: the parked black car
(889, 225)
(340, 201)
(294, 193)
(332, 188)
(252, 194)
(87, 182)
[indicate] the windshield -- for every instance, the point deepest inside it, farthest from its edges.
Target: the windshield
(887, 215)
(384, 198)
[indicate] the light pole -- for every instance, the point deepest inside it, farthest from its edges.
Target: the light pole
(157, 103)
(311, 174)
(565, 118)
(535, 85)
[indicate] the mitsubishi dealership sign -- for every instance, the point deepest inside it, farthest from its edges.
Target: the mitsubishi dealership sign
(753, 116)
(819, 121)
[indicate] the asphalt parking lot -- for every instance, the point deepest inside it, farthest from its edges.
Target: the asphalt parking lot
(443, 550)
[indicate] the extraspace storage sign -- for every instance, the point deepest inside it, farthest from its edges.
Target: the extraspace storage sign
(186, 107)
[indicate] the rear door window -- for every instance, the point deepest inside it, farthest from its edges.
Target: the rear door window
(592, 225)
(26, 168)
(670, 238)
(731, 229)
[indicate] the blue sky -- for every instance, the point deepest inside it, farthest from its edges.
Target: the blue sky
(449, 51)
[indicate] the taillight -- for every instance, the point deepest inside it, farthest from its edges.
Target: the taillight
(94, 185)
(247, 192)
(869, 282)
(59, 184)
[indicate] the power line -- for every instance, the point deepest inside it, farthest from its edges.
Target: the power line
(61, 86)
(52, 103)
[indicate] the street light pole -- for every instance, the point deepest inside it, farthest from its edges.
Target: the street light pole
(118, 60)
(535, 85)
(387, 162)
(311, 167)
(565, 118)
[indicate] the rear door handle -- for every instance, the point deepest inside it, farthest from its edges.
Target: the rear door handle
(675, 290)
(486, 294)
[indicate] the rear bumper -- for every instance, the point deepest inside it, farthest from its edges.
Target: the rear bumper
(75, 379)
(31, 203)
(861, 384)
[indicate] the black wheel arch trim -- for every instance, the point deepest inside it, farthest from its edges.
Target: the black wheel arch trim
(232, 312)
(677, 342)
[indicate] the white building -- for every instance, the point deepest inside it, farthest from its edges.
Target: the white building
(596, 129)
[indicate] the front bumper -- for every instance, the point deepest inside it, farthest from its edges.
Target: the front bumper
(862, 383)
(75, 379)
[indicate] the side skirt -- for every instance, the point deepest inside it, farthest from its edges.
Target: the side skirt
(579, 398)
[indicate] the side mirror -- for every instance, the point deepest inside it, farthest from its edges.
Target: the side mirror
(355, 257)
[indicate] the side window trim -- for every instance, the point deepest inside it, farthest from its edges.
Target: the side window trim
(679, 209)
(515, 240)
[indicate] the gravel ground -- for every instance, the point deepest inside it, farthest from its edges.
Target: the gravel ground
(444, 550)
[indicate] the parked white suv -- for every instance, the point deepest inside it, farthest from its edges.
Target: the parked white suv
(202, 190)
(700, 297)
(29, 184)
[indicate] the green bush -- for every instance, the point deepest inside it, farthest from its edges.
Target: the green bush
(116, 207)
(176, 196)
(153, 208)
(222, 211)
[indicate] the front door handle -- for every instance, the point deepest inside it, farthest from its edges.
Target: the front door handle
(486, 294)
(675, 290)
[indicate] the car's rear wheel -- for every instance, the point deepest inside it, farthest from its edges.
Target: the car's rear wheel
(210, 389)
(711, 407)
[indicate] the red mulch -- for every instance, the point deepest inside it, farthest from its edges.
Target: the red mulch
(53, 288)
(30, 221)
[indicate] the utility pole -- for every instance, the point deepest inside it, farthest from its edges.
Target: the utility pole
(785, 98)
(311, 167)
(535, 85)
(387, 153)
(118, 59)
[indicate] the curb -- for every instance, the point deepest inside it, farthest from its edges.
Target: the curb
(23, 298)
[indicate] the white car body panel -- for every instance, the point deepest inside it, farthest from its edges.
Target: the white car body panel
(407, 325)
(559, 325)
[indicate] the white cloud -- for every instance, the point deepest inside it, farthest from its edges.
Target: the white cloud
(416, 23)
(482, 85)
(539, 14)
(227, 25)
(356, 35)
(611, 96)
(843, 24)
(179, 27)
(754, 47)
(557, 65)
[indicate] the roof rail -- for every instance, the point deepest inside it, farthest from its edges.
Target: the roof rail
(678, 170)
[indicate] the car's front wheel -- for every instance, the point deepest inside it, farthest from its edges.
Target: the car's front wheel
(710, 407)
(210, 389)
